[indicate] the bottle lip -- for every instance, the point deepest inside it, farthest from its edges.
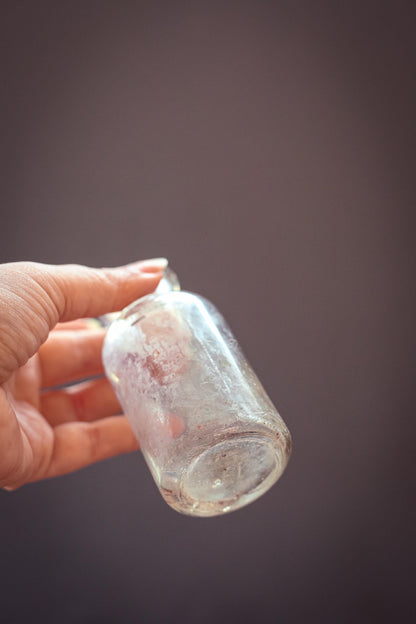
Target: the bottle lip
(169, 282)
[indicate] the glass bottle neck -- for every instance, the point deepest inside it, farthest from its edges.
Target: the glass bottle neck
(168, 282)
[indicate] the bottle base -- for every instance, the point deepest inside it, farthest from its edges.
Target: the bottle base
(228, 475)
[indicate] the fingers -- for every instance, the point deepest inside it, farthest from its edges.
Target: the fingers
(70, 355)
(78, 324)
(77, 445)
(12, 444)
(172, 426)
(34, 297)
(88, 401)
(79, 291)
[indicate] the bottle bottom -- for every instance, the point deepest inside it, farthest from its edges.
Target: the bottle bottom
(228, 475)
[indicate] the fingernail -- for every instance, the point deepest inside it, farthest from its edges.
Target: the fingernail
(93, 323)
(153, 265)
(106, 319)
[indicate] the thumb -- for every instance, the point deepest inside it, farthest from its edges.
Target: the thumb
(34, 297)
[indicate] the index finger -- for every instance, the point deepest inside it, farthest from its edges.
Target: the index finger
(87, 292)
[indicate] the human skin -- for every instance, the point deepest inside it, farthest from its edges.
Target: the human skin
(45, 342)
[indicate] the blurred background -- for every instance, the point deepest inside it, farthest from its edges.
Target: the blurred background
(266, 149)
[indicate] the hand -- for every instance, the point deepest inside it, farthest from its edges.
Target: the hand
(45, 431)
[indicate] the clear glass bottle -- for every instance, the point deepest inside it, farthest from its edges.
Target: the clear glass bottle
(207, 429)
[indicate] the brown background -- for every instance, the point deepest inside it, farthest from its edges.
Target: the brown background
(265, 149)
